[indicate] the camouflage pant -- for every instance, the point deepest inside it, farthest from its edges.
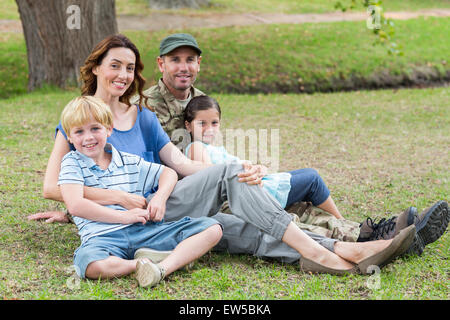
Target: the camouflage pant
(311, 218)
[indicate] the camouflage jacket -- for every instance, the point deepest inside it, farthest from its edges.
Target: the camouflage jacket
(168, 110)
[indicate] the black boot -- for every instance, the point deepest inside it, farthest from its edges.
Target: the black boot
(386, 229)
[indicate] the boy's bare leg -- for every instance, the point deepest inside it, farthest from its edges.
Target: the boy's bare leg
(192, 248)
(110, 267)
(185, 252)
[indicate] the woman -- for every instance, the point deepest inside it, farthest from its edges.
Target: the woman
(112, 72)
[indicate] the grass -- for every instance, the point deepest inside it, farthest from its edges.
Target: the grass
(379, 152)
(284, 58)
(14, 65)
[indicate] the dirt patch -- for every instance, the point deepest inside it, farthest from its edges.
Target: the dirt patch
(10, 26)
(163, 21)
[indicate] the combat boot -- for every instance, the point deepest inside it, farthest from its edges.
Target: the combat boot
(430, 226)
(387, 228)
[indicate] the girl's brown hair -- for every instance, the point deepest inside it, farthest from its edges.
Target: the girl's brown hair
(89, 86)
(200, 103)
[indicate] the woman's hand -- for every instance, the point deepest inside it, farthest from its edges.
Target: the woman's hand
(51, 216)
(136, 215)
(131, 201)
(156, 208)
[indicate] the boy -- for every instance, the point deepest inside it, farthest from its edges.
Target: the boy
(110, 234)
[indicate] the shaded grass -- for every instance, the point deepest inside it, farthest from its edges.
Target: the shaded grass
(379, 152)
(13, 64)
(285, 58)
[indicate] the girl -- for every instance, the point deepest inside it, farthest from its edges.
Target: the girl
(202, 120)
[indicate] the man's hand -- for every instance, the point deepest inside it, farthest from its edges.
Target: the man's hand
(51, 216)
(252, 174)
(157, 208)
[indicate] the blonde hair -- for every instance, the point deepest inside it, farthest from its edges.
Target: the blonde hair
(81, 110)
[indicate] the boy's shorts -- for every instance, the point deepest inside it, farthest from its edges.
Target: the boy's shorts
(124, 242)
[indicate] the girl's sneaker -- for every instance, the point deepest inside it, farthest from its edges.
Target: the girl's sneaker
(148, 274)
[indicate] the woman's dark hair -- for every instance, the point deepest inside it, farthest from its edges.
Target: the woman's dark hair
(89, 86)
(200, 103)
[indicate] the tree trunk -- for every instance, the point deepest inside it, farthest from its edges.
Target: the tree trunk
(176, 4)
(60, 35)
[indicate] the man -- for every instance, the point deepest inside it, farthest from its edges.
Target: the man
(179, 62)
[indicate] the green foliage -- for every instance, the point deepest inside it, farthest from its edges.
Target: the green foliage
(382, 27)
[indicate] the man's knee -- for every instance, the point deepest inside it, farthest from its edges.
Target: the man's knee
(232, 168)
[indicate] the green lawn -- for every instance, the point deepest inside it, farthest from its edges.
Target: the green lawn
(379, 152)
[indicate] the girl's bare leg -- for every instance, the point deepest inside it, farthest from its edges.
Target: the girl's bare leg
(330, 207)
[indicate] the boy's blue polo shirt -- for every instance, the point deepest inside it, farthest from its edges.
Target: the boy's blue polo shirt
(145, 139)
(126, 172)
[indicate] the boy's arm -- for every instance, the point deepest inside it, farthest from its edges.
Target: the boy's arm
(157, 205)
(79, 206)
